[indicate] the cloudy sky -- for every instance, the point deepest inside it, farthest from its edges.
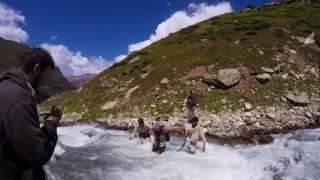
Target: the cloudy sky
(88, 36)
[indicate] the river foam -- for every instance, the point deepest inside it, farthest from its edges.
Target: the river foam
(89, 152)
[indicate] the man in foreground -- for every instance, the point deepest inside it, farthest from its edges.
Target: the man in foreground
(194, 134)
(24, 146)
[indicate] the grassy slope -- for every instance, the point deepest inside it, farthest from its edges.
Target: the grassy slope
(176, 55)
(54, 84)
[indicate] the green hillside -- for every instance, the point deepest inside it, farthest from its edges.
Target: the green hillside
(248, 40)
(55, 84)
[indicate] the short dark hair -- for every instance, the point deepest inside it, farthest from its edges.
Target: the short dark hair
(195, 119)
(140, 121)
(28, 60)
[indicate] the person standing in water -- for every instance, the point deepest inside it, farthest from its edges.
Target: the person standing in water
(161, 136)
(191, 105)
(193, 135)
(142, 130)
(25, 146)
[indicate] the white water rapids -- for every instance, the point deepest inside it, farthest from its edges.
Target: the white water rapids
(87, 152)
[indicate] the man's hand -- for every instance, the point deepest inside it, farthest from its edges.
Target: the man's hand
(55, 115)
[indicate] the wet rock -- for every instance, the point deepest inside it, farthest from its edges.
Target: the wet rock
(263, 139)
(89, 132)
(301, 99)
(267, 70)
(263, 78)
(316, 117)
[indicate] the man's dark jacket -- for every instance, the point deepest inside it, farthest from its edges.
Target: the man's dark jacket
(24, 146)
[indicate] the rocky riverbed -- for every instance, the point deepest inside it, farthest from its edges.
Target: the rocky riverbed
(249, 126)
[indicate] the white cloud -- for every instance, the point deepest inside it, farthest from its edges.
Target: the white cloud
(74, 63)
(182, 19)
(120, 58)
(9, 24)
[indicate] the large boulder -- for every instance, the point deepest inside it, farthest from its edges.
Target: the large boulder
(264, 78)
(109, 105)
(227, 79)
(301, 99)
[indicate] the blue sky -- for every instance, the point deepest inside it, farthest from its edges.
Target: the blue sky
(98, 28)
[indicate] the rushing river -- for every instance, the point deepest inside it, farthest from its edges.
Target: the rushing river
(87, 152)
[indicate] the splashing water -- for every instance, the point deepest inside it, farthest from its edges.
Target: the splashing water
(87, 152)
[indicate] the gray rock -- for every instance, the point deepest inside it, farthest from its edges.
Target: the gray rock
(109, 83)
(211, 69)
(285, 75)
(271, 116)
(301, 99)
(224, 101)
(165, 81)
(247, 106)
(248, 114)
(310, 39)
(277, 69)
(267, 70)
(109, 105)
(135, 59)
(227, 79)
(264, 78)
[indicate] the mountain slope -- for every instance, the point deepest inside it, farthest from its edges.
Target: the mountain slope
(157, 79)
(79, 81)
(55, 84)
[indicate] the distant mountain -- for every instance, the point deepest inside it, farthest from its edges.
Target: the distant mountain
(256, 55)
(55, 84)
(79, 81)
